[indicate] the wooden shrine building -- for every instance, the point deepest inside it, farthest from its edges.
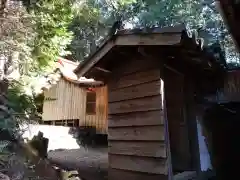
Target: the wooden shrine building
(72, 101)
(155, 77)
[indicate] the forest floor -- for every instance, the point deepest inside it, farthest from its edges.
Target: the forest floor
(91, 164)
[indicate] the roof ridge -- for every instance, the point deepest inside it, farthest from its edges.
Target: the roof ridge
(68, 61)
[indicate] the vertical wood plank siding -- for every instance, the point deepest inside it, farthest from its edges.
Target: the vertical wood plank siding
(231, 90)
(70, 103)
(136, 128)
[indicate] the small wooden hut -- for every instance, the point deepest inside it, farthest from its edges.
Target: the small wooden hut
(154, 78)
(73, 101)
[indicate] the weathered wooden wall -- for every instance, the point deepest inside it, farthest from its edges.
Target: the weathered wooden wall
(231, 90)
(177, 121)
(67, 101)
(100, 119)
(136, 133)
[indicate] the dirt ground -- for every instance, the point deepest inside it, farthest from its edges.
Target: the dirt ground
(91, 164)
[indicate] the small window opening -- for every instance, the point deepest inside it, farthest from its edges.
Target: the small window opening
(91, 102)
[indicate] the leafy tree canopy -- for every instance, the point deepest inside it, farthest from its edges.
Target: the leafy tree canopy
(33, 36)
(93, 21)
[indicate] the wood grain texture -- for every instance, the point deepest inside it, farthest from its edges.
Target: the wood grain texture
(138, 148)
(81, 70)
(136, 124)
(136, 91)
(138, 64)
(135, 79)
(149, 39)
(231, 91)
(136, 105)
(118, 174)
(137, 119)
(140, 164)
(177, 122)
(70, 104)
(144, 133)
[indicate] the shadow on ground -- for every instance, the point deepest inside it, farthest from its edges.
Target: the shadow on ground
(90, 159)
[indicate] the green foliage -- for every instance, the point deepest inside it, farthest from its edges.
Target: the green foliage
(4, 145)
(91, 24)
(23, 104)
(52, 20)
(53, 28)
(30, 42)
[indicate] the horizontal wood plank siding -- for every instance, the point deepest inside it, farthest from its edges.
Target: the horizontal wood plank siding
(136, 163)
(142, 133)
(136, 127)
(136, 105)
(136, 79)
(119, 174)
(133, 92)
(147, 118)
(136, 148)
(136, 65)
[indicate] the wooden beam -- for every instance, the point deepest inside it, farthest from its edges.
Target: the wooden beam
(129, 40)
(102, 69)
(172, 69)
(135, 91)
(137, 133)
(94, 59)
(138, 164)
(135, 79)
(148, 118)
(166, 132)
(149, 39)
(138, 148)
(136, 105)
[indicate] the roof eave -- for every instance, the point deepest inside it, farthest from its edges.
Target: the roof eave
(151, 39)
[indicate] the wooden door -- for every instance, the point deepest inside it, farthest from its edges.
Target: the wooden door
(177, 124)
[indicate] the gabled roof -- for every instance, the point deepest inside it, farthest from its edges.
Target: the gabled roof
(64, 69)
(167, 36)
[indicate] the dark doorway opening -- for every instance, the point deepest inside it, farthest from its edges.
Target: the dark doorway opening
(221, 124)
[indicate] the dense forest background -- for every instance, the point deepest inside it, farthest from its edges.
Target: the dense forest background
(34, 33)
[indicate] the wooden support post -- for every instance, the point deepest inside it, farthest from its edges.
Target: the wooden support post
(167, 139)
(172, 69)
(192, 125)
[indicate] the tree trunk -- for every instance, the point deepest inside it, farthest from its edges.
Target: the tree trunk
(230, 11)
(3, 82)
(2, 7)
